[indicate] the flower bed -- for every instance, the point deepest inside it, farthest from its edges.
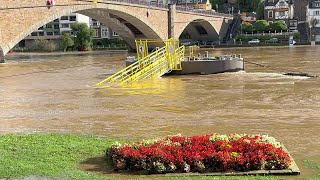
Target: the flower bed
(205, 153)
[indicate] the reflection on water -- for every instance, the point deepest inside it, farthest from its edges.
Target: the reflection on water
(57, 94)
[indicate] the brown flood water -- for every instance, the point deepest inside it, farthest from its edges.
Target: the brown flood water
(57, 94)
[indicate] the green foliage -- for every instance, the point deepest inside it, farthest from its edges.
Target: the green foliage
(116, 44)
(66, 41)
(279, 25)
(296, 35)
(261, 25)
(260, 10)
(83, 35)
(44, 45)
(216, 3)
(247, 27)
(247, 5)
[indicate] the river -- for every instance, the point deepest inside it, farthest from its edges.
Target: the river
(41, 94)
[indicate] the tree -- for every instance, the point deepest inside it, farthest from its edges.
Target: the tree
(247, 5)
(83, 35)
(279, 25)
(66, 41)
(246, 26)
(261, 25)
(217, 3)
(260, 10)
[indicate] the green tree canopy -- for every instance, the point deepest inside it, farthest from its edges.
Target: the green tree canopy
(247, 5)
(260, 10)
(246, 26)
(83, 35)
(66, 41)
(279, 25)
(261, 25)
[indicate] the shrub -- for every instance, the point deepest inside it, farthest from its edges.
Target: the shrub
(247, 27)
(279, 25)
(296, 35)
(44, 45)
(261, 25)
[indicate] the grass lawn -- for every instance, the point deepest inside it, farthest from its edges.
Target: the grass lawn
(58, 156)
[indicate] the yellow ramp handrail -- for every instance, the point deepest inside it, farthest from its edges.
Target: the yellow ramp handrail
(134, 68)
(155, 64)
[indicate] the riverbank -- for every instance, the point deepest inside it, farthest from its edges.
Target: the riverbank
(60, 156)
(260, 45)
(68, 53)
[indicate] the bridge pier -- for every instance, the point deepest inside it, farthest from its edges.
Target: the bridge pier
(171, 21)
(1, 56)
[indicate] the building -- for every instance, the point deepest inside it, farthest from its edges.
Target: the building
(300, 10)
(313, 19)
(102, 31)
(280, 10)
(196, 4)
(53, 30)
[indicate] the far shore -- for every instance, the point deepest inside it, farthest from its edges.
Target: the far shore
(103, 52)
(60, 53)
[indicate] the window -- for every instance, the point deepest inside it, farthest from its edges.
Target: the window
(49, 26)
(73, 18)
(65, 25)
(64, 18)
(41, 33)
(49, 33)
(96, 33)
(56, 26)
(115, 34)
(270, 14)
(282, 13)
(104, 33)
(34, 34)
(315, 13)
(316, 4)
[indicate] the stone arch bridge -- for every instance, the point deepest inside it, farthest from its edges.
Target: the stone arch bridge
(131, 19)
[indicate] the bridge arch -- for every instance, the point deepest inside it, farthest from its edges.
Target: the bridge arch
(201, 30)
(31, 18)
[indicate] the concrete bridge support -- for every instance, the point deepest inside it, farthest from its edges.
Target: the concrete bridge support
(1, 56)
(172, 21)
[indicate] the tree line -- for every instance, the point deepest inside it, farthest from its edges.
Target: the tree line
(263, 25)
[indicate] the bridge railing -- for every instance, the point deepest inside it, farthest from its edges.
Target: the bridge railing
(165, 6)
(142, 2)
(202, 11)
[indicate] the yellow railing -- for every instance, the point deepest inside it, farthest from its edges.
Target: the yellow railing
(155, 64)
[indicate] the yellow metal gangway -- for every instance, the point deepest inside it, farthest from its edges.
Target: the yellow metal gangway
(162, 61)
